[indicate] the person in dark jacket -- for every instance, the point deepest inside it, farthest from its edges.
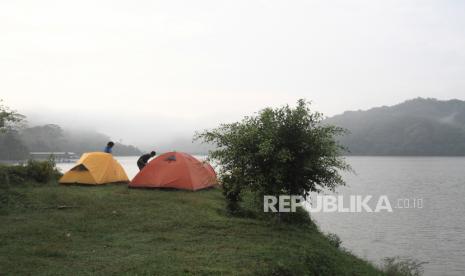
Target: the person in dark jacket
(142, 161)
(109, 147)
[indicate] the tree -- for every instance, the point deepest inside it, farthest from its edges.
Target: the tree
(278, 151)
(8, 118)
(46, 138)
(11, 147)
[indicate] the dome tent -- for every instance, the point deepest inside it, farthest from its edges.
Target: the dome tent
(95, 168)
(175, 170)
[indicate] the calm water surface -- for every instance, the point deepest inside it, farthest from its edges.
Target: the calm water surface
(433, 234)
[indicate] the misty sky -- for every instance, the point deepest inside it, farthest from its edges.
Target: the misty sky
(147, 71)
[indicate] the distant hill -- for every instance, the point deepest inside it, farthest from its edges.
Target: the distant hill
(15, 144)
(53, 138)
(415, 127)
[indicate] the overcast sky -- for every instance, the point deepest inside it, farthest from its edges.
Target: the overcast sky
(150, 70)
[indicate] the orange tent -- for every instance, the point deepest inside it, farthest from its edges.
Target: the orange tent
(175, 170)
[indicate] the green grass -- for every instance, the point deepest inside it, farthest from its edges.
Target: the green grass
(115, 230)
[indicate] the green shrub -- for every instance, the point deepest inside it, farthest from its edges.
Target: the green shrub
(232, 193)
(42, 171)
(15, 174)
(397, 266)
(334, 240)
(284, 151)
(33, 171)
(4, 179)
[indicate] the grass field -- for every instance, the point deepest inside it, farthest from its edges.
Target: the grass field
(114, 230)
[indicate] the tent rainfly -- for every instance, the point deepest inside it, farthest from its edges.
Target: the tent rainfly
(95, 168)
(175, 170)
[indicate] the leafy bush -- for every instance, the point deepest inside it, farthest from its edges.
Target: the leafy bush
(12, 174)
(397, 266)
(278, 151)
(4, 177)
(32, 172)
(334, 240)
(42, 171)
(35, 171)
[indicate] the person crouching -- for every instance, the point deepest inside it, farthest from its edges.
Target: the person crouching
(142, 161)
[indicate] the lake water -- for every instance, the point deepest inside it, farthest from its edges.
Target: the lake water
(434, 233)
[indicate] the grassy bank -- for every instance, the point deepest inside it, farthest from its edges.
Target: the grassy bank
(51, 229)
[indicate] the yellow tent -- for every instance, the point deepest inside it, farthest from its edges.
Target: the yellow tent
(95, 168)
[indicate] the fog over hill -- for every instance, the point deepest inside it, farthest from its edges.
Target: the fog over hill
(16, 144)
(415, 127)
(421, 126)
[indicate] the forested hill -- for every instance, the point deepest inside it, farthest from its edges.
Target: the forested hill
(415, 127)
(16, 144)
